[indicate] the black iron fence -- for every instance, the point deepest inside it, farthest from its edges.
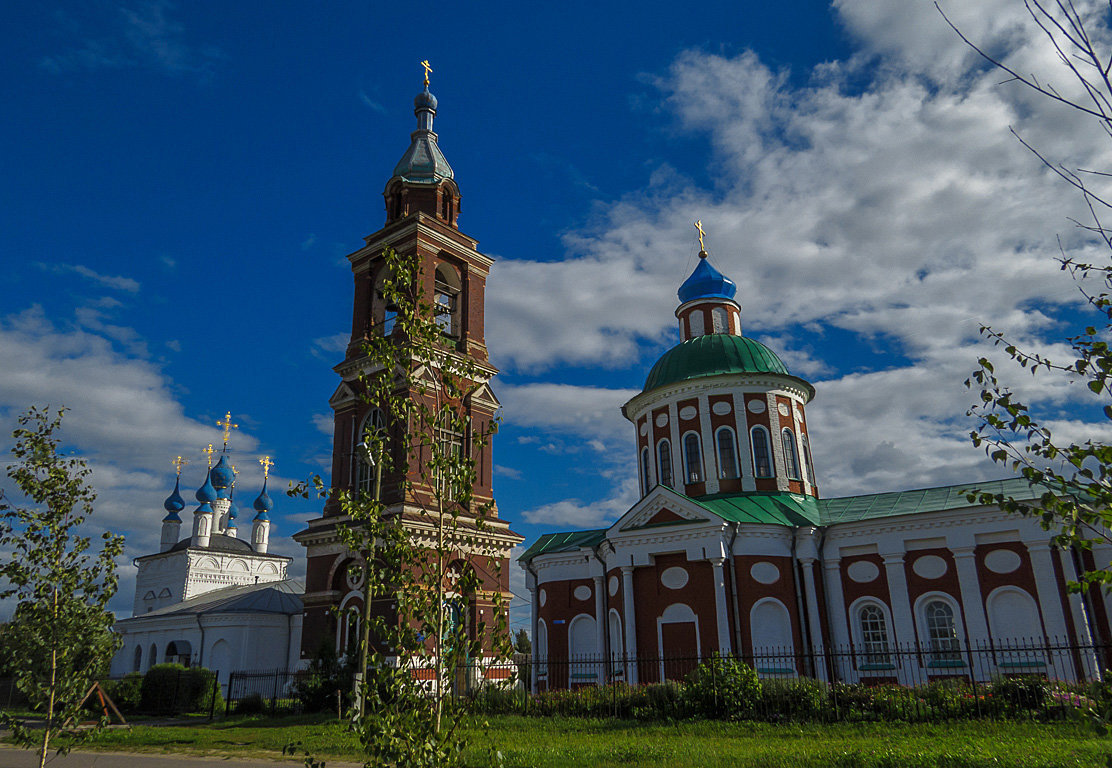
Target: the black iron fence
(1044, 679)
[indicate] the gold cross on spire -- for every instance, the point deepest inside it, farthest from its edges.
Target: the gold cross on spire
(178, 463)
(208, 452)
(235, 472)
(228, 427)
(699, 227)
(428, 69)
(267, 464)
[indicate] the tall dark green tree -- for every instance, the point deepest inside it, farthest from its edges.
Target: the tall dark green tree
(60, 638)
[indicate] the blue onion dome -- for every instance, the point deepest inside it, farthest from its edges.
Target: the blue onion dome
(174, 502)
(424, 100)
(206, 493)
(233, 512)
(205, 508)
(222, 474)
(263, 504)
(706, 282)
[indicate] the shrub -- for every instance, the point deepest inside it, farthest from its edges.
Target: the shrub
(724, 688)
(126, 693)
(802, 699)
(172, 688)
(326, 674)
(1020, 695)
(251, 704)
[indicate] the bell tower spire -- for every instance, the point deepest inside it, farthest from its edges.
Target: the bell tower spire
(423, 181)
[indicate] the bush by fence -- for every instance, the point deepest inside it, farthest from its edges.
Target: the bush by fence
(174, 689)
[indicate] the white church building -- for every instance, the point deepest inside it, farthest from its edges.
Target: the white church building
(212, 599)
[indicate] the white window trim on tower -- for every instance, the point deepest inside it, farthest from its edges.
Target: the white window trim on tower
(663, 450)
(689, 438)
(769, 452)
(718, 453)
(791, 454)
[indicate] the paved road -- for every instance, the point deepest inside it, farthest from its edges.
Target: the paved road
(22, 758)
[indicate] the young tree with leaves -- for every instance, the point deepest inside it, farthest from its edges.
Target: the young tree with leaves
(420, 552)
(60, 639)
(1077, 477)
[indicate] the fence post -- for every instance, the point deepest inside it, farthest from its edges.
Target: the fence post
(228, 701)
(215, 688)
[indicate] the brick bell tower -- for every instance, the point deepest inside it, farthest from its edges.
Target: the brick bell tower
(422, 210)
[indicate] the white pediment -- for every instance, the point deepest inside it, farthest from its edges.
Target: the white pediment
(343, 395)
(484, 395)
(661, 502)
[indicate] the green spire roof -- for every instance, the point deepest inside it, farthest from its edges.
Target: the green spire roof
(713, 355)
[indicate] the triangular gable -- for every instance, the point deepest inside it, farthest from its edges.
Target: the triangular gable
(344, 394)
(661, 506)
(485, 395)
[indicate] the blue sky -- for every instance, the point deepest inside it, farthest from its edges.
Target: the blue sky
(182, 181)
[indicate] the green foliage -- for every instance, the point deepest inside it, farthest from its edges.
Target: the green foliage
(803, 700)
(60, 638)
(325, 675)
(723, 687)
(174, 689)
(126, 693)
(522, 643)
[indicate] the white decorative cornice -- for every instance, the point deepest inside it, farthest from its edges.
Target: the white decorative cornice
(723, 383)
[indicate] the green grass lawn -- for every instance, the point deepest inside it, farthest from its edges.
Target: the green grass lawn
(558, 742)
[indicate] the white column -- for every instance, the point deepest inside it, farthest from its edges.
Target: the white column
(630, 626)
(1050, 603)
(973, 609)
(813, 620)
(710, 453)
(839, 621)
(901, 612)
(1089, 662)
(972, 603)
(534, 589)
(600, 627)
(721, 606)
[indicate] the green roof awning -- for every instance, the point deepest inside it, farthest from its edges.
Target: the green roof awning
(563, 542)
(770, 508)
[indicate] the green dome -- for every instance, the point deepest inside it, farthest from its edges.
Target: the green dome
(713, 355)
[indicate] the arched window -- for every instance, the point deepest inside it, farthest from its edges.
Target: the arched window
(942, 632)
(137, 663)
(692, 458)
(762, 456)
(542, 648)
(646, 481)
(807, 458)
(791, 459)
(446, 292)
(719, 320)
(152, 657)
(874, 634)
(370, 446)
(664, 463)
(727, 453)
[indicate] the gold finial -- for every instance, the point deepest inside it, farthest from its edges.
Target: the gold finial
(178, 463)
(208, 452)
(267, 464)
(428, 69)
(235, 472)
(699, 227)
(228, 427)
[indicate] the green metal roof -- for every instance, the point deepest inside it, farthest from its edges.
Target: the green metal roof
(793, 510)
(568, 541)
(776, 508)
(712, 355)
(850, 509)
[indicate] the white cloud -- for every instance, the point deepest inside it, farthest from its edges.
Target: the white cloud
(142, 33)
(117, 282)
